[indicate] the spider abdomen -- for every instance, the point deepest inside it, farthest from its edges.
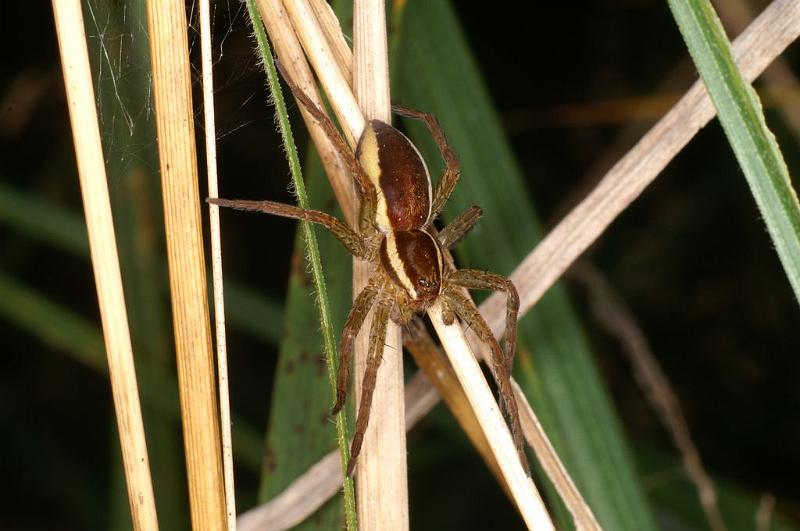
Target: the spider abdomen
(413, 261)
(401, 179)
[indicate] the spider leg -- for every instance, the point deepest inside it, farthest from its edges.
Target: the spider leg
(452, 168)
(377, 338)
(459, 227)
(355, 320)
(352, 241)
(477, 279)
(366, 189)
(467, 312)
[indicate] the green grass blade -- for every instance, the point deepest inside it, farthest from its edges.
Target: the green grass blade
(331, 354)
(742, 118)
(299, 431)
(554, 365)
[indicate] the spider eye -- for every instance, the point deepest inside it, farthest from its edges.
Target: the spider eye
(424, 282)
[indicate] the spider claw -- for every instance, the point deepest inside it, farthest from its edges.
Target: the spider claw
(355, 449)
(341, 398)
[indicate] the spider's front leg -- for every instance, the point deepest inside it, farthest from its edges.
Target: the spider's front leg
(377, 339)
(350, 239)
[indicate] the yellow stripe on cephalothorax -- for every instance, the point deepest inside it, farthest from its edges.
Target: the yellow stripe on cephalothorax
(397, 265)
(369, 157)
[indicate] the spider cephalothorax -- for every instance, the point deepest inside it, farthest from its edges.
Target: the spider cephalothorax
(398, 207)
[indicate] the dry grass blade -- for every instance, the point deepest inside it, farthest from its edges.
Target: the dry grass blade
(178, 164)
(434, 364)
(331, 76)
(381, 478)
(528, 501)
(105, 261)
(384, 444)
(216, 263)
(776, 28)
(290, 53)
(335, 38)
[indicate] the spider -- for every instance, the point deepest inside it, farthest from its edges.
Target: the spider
(396, 234)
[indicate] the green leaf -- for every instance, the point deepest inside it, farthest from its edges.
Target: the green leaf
(742, 118)
(554, 365)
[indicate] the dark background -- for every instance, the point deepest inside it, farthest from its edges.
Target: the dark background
(691, 257)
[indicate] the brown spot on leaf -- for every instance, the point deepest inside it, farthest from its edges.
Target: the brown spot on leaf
(270, 461)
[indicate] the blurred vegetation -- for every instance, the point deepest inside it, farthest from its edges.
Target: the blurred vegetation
(521, 97)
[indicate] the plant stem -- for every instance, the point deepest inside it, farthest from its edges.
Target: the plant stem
(331, 354)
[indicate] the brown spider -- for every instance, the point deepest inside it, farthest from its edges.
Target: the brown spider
(396, 234)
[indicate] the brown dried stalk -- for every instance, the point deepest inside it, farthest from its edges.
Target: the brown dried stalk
(179, 177)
